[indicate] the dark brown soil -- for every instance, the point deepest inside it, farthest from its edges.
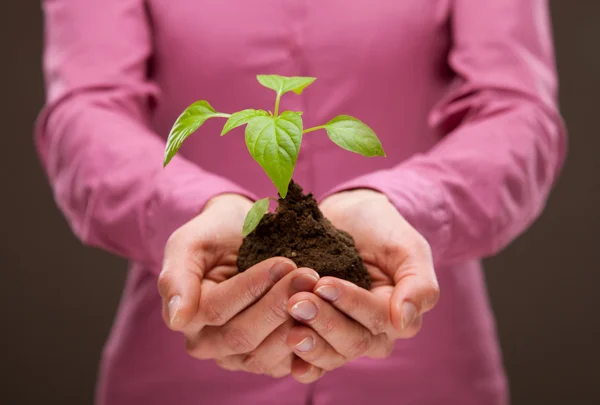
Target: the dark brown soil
(298, 230)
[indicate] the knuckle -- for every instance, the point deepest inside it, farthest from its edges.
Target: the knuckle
(276, 309)
(379, 323)
(165, 279)
(329, 326)
(237, 340)
(211, 314)
(354, 305)
(360, 346)
(253, 364)
(254, 289)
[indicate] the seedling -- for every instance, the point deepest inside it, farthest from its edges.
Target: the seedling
(274, 139)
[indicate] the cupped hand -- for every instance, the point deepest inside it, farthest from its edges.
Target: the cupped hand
(239, 320)
(343, 321)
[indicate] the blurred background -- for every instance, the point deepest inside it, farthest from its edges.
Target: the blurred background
(58, 298)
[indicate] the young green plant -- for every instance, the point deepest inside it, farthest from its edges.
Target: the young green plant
(274, 139)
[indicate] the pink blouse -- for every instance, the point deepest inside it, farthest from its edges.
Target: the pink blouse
(462, 94)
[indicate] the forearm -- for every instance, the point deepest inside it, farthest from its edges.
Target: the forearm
(105, 168)
(503, 138)
(480, 187)
(94, 138)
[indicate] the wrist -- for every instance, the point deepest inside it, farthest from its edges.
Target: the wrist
(357, 194)
(231, 199)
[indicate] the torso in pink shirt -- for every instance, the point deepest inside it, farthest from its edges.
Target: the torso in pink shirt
(461, 93)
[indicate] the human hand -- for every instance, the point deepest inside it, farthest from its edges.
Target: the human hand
(239, 320)
(343, 321)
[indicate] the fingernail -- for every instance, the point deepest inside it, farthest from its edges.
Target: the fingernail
(280, 270)
(304, 310)
(306, 344)
(328, 292)
(173, 307)
(408, 314)
(308, 372)
(304, 282)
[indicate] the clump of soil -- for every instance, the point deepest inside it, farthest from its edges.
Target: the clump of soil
(299, 231)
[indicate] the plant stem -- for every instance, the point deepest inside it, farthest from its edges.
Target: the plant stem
(276, 112)
(223, 115)
(313, 129)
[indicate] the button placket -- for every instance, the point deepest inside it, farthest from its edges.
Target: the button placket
(297, 13)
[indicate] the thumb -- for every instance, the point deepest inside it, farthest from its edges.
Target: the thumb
(180, 282)
(416, 292)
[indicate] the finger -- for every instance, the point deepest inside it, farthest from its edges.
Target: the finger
(416, 288)
(230, 363)
(304, 372)
(230, 297)
(248, 329)
(313, 349)
(179, 282)
(345, 335)
(413, 296)
(369, 309)
(284, 368)
(270, 352)
(236, 363)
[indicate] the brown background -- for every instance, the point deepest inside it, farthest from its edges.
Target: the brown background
(58, 298)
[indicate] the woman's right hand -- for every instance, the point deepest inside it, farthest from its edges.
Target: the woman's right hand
(240, 320)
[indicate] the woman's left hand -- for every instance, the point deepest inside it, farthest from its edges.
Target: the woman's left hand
(342, 321)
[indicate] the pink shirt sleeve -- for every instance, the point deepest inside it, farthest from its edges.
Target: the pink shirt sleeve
(93, 136)
(504, 142)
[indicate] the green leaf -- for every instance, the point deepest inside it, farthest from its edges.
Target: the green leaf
(188, 122)
(352, 134)
(274, 143)
(258, 210)
(283, 84)
(240, 118)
